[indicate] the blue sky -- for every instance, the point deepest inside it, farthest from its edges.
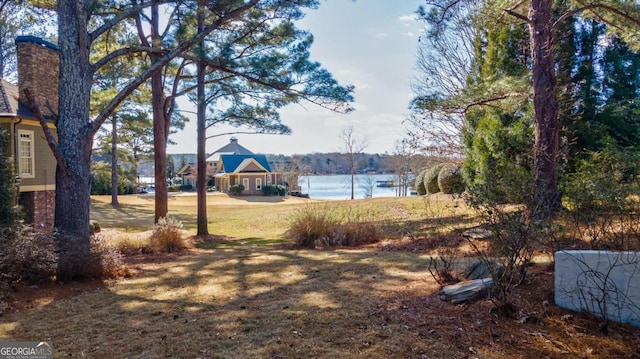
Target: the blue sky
(371, 44)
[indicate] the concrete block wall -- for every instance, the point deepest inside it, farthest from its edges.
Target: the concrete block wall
(604, 283)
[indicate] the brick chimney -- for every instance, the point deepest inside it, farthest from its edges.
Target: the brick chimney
(38, 62)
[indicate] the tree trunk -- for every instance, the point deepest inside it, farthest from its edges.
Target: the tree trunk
(114, 162)
(546, 197)
(160, 147)
(201, 184)
(352, 181)
(75, 140)
(160, 132)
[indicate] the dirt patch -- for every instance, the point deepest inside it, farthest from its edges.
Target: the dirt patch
(28, 297)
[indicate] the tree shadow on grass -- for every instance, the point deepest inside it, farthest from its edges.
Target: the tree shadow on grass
(248, 302)
(259, 199)
(128, 218)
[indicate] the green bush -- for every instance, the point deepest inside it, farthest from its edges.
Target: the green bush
(101, 181)
(8, 210)
(498, 166)
(186, 187)
(94, 227)
(419, 183)
(601, 198)
(269, 190)
(174, 188)
(167, 236)
(450, 179)
(236, 189)
(431, 179)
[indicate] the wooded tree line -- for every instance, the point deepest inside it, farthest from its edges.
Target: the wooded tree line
(529, 91)
(238, 61)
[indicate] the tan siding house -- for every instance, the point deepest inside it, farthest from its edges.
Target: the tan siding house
(234, 164)
(34, 162)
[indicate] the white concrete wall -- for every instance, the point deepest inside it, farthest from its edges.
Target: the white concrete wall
(604, 283)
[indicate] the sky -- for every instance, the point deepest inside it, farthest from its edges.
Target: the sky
(371, 44)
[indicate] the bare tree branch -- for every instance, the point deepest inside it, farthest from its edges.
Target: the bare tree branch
(51, 141)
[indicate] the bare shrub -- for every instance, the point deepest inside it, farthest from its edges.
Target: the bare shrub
(167, 236)
(349, 234)
(308, 226)
(513, 246)
(132, 245)
(442, 266)
(107, 261)
(26, 256)
(320, 226)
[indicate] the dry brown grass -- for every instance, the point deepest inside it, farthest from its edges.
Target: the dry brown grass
(254, 302)
(237, 299)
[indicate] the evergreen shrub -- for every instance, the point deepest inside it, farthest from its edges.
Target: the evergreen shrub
(236, 189)
(8, 210)
(269, 190)
(450, 179)
(431, 179)
(419, 182)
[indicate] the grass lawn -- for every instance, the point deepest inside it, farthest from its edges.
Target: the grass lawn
(242, 294)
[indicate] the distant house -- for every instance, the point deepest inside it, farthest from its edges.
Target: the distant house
(234, 164)
(189, 174)
(35, 164)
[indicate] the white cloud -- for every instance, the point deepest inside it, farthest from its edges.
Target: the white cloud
(381, 35)
(409, 33)
(408, 18)
(361, 85)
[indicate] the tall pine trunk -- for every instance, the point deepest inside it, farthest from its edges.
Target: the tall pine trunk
(75, 140)
(546, 197)
(114, 161)
(201, 184)
(160, 128)
(160, 136)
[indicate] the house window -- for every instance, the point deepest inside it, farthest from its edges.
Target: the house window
(268, 179)
(26, 162)
(245, 183)
(258, 183)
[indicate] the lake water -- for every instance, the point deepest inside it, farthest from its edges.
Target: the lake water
(339, 186)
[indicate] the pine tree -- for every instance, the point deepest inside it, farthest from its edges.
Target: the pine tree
(7, 182)
(498, 138)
